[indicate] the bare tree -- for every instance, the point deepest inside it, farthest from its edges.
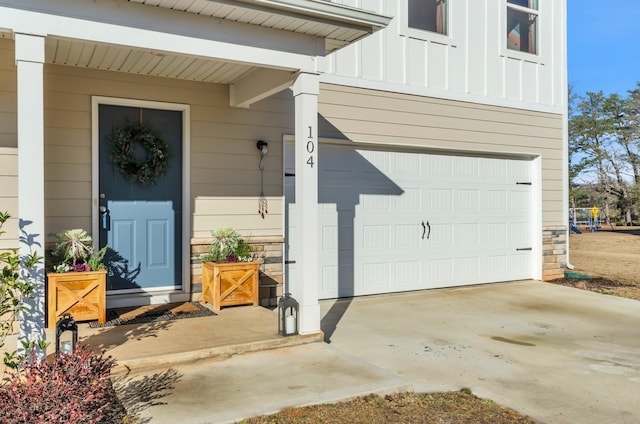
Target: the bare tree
(604, 142)
(588, 135)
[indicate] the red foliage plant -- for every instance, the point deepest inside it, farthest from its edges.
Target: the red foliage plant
(73, 389)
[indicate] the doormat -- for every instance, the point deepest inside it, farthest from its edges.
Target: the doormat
(153, 313)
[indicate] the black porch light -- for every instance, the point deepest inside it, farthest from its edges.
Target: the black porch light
(287, 316)
(263, 146)
(66, 324)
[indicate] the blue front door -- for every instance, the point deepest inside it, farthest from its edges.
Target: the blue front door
(142, 223)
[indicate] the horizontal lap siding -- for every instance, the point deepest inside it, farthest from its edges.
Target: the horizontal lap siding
(225, 180)
(8, 99)
(8, 145)
(384, 117)
(9, 196)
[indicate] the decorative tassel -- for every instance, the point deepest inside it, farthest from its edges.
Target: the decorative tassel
(262, 206)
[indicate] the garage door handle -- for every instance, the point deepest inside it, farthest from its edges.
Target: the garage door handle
(424, 230)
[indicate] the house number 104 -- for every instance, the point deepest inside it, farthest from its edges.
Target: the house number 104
(311, 147)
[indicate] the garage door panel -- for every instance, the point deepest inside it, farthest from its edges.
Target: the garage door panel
(519, 235)
(338, 197)
(496, 233)
(442, 235)
(376, 275)
(468, 269)
(407, 165)
(376, 237)
(405, 221)
(496, 200)
(467, 200)
(497, 266)
(519, 170)
(329, 279)
(408, 274)
(519, 265)
(438, 166)
(410, 201)
(519, 201)
(329, 238)
(467, 167)
(380, 161)
(440, 272)
(407, 236)
(494, 170)
(468, 234)
(336, 281)
(375, 201)
(440, 200)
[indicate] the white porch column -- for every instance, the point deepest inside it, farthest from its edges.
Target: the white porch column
(29, 60)
(304, 285)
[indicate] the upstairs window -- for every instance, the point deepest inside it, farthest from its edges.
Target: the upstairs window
(522, 25)
(428, 15)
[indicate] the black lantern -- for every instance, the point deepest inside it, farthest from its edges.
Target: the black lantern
(64, 324)
(263, 146)
(288, 316)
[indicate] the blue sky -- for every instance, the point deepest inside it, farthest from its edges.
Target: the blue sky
(603, 51)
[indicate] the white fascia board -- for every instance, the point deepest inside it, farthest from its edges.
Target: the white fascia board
(328, 11)
(32, 22)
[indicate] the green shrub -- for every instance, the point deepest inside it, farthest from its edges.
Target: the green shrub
(13, 292)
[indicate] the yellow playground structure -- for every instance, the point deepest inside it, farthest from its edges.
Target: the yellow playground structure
(587, 217)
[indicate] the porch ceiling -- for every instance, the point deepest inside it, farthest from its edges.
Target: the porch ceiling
(142, 62)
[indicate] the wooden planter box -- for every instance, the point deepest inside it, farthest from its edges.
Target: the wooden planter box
(232, 283)
(81, 294)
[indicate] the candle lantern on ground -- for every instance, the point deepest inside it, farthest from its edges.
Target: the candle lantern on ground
(288, 316)
(66, 325)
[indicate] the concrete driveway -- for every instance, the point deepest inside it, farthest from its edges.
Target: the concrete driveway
(557, 354)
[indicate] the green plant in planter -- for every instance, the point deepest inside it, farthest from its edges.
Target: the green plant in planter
(94, 261)
(228, 246)
(74, 251)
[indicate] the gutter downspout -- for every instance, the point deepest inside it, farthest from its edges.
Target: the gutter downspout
(565, 132)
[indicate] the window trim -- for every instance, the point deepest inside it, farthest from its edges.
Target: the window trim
(517, 54)
(420, 34)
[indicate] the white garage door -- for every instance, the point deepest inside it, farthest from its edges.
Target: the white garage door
(393, 221)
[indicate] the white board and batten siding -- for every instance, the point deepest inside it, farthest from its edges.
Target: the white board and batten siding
(394, 220)
(471, 62)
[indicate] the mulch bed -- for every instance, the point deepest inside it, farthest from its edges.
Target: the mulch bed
(407, 408)
(602, 286)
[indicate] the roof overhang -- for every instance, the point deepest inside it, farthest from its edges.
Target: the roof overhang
(255, 46)
(339, 25)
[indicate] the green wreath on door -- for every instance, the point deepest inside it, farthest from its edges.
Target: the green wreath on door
(145, 172)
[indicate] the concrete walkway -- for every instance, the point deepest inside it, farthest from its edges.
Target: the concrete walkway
(557, 354)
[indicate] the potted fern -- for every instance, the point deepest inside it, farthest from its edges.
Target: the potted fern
(229, 274)
(77, 281)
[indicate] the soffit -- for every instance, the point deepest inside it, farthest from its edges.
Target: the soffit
(142, 62)
(338, 25)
